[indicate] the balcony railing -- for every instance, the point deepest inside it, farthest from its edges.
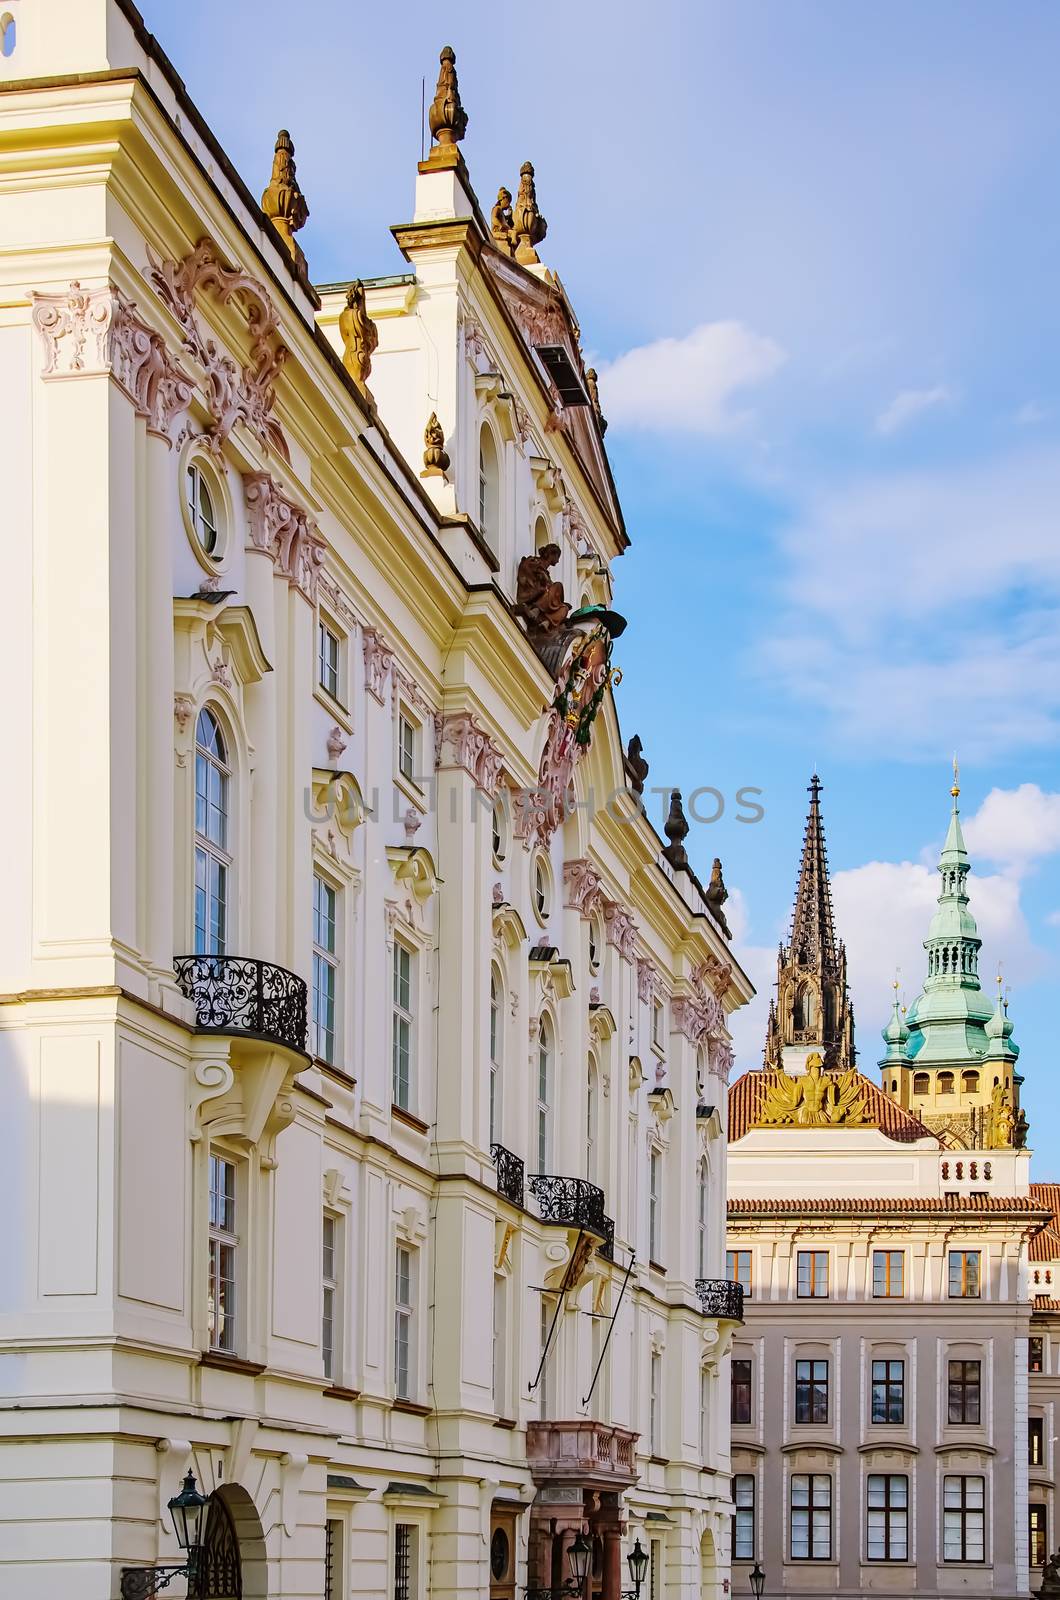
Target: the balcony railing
(607, 1249)
(510, 1174)
(238, 995)
(581, 1452)
(570, 1202)
(721, 1298)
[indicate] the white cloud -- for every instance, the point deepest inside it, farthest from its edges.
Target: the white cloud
(910, 403)
(689, 384)
(1015, 827)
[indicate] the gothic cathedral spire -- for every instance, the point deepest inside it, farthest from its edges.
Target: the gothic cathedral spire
(812, 1011)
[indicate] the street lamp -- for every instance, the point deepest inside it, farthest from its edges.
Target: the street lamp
(637, 1562)
(188, 1510)
(757, 1579)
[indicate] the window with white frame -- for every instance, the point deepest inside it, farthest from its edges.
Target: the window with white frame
(704, 1415)
(402, 1025)
(590, 1119)
(223, 1256)
(544, 1094)
(702, 1209)
(329, 658)
(407, 747)
(500, 1343)
(325, 969)
(545, 1316)
(404, 1323)
(595, 942)
(488, 489)
(811, 1516)
(203, 514)
(654, 1203)
(496, 1047)
(887, 1516)
(655, 1403)
(963, 1518)
(499, 830)
(743, 1517)
(657, 1019)
(212, 859)
(331, 1274)
(542, 885)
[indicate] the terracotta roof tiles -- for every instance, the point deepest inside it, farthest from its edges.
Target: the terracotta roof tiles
(896, 1205)
(1045, 1246)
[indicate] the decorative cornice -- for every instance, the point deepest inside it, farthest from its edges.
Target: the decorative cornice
(285, 531)
(463, 742)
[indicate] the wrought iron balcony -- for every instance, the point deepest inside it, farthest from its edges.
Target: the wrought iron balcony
(570, 1202)
(510, 1172)
(607, 1249)
(240, 996)
(721, 1298)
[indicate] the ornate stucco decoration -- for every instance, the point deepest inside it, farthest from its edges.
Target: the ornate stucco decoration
(284, 531)
(548, 482)
(98, 330)
(463, 742)
(717, 974)
(359, 336)
(509, 930)
(234, 392)
(581, 882)
(648, 979)
(620, 929)
(528, 225)
(816, 1099)
(447, 118)
(435, 455)
(247, 1098)
(283, 201)
(413, 867)
(378, 659)
(339, 602)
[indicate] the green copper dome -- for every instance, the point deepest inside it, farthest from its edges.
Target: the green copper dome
(895, 1036)
(999, 1033)
(947, 1020)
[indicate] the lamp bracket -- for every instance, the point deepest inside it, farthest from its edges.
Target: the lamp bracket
(139, 1583)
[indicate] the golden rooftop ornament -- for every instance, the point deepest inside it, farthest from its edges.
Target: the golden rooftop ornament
(283, 201)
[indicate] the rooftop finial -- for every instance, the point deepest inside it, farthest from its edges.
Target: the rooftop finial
(447, 118)
(283, 201)
(676, 830)
(359, 336)
(528, 225)
(955, 791)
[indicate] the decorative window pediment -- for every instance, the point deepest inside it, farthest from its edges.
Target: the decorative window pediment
(555, 977)
(508, 925)
(215, 650)
(602, 1024)
(548, 483)
(413, 868)
(662, 1105)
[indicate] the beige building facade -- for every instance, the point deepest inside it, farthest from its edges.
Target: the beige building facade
(363, 1046)
(882, 1409)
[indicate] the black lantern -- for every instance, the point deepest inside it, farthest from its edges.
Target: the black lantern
(637, 1562)
(580, 1556)
(757, 1580)
(188, 1510)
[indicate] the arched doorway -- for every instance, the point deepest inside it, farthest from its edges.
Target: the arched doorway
(233, 1565)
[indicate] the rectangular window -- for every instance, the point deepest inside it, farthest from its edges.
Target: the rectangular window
(325, 969)
(1035, 1441)
(811, 1391)
(331, 1266)
(888, 1516)
(328, 660)
(743, 1518)
(333, 1559)
(654, 1203)
(888, 1274)
(705, 1381)
(655, 1572)
(738, 1269)
(963, 1519)
(657, 1024)
(655, 1404)
(964, 1391)
(221, 1295)
(812, 1274)
(1036, 1354)
(888, 1391)
(404, 1558)
(811, 1516)
(500, 1344)
(402, 1026)
(211, 904)
(544, 1329)
(1039, 1544)
(406, 750)
(404, 1347)
(741, 1390)
(964, 1274)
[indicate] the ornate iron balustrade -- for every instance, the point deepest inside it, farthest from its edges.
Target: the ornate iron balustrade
(510, 1174)
(607, 1249)
(571, 1202)
(721, 1298)
(238, 995)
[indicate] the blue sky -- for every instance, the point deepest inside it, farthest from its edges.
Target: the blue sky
(815, 252)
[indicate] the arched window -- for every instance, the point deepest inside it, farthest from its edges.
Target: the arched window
(545, 1046)
(970, 1082)
(921, 1083)
(805, 1009)
(496, 1046)
(212, 860)
(489, 498)
(590, 1120)
(944, 1083)
(702, 1196)
(541, 535)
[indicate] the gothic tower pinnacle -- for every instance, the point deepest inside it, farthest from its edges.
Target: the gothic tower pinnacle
(812, 1011)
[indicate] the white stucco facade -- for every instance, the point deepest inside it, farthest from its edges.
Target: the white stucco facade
(270, 693)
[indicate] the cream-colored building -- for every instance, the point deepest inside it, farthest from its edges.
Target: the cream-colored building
(362, 1053)
(880, 1395)
(1043, 1368)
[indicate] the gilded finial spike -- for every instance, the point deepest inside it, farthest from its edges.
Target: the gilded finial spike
(283, 201)
(447, 118)
(955, 791)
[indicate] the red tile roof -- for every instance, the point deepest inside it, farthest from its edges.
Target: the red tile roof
(1045, 1246)
(748, 1092)
(996, 1205)
(1042, 1302)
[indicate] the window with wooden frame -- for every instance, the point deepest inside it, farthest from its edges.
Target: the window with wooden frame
(811, 1270)
(741, 1389)
(223, 1255)
(811, 1516)
(811, 1391)
(887, 1516)
(963, 1518)
(888, 1274)
(888, 1391)
(964, 1391)
(738, 1269)
(964, 1274)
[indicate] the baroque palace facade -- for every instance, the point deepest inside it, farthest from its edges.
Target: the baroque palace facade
(892, 1402)
(363, 1046)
